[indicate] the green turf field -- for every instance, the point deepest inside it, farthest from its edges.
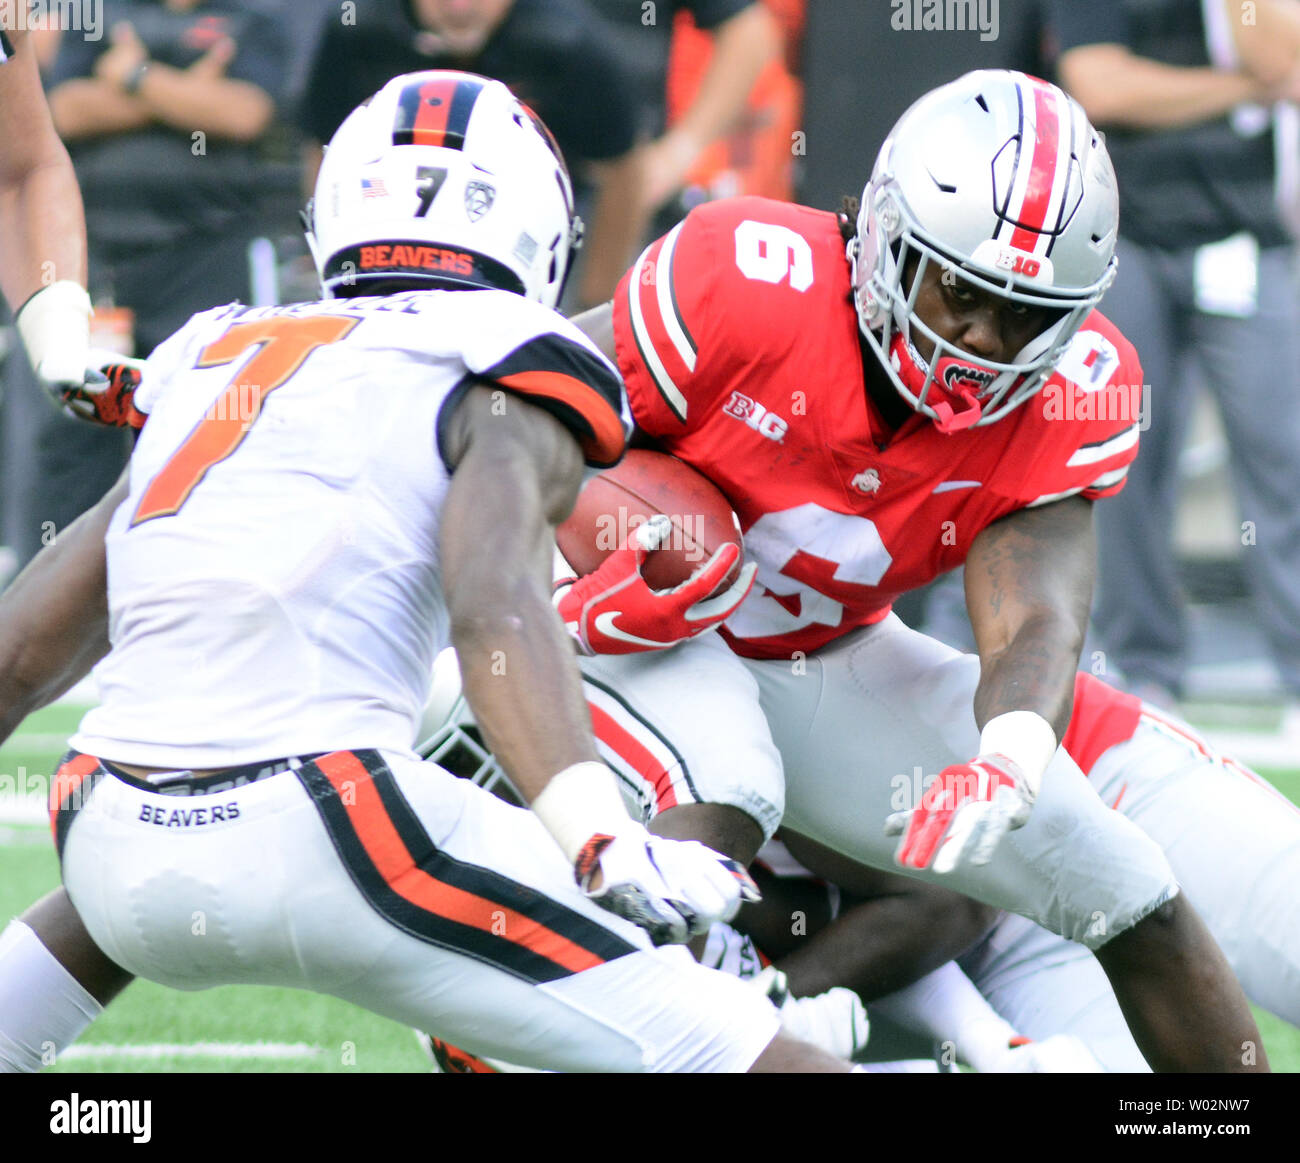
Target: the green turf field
(257, 1029)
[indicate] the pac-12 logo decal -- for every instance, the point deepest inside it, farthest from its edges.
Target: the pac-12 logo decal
(479, 197)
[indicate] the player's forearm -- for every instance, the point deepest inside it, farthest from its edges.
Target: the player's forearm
(516, 660)
(518, 673)
(42, 229)
(236, 110)
(54, 617)
(1029, 580)
(1034, 673)
(1117, 88)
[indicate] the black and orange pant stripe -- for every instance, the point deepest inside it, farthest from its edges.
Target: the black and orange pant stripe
(77, 774)
(437, 898)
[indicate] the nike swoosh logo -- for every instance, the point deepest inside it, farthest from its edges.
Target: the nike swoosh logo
(605, 624)
(949, 486)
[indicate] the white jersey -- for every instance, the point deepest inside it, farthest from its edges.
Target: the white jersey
(273, 574)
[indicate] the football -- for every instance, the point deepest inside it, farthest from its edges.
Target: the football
(615, 503)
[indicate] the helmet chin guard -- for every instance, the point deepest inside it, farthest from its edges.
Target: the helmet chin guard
(1000, 179)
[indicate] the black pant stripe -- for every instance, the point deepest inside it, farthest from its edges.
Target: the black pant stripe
(484, 882)
(485, 946)
(73, 802)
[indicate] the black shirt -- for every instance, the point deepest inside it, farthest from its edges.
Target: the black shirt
(1177, 187)
(149, 188)
(557, 55)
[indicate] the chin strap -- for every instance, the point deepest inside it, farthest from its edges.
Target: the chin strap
(951, 375)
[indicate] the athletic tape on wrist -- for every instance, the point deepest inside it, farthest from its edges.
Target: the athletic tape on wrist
(579, 802)
(1024, 737)
(55, 322)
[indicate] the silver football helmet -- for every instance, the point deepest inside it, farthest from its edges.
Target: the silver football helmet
(1000, 178)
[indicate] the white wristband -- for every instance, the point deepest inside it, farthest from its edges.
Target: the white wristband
(55, 327)
(579, 802)
(1024, 737)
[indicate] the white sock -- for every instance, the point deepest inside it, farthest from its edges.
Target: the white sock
(946, 1005)
(43, 1008)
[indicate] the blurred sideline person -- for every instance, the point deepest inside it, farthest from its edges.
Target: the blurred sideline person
(880, 397)
(561, 58)
(314, 541)
(1186, 92)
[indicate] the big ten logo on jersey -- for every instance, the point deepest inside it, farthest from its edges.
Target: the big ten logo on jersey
(687, 536)
(1083, 388)
(753, 413)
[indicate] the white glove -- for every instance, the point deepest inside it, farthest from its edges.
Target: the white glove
(673, 889)
(834, 1021)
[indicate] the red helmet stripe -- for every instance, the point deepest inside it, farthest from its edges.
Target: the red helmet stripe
(1042, 173)
(435, 113)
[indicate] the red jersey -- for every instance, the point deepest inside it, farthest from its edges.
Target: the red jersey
(738, 340)
(1101, 718)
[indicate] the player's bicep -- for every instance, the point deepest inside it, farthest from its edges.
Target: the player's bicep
(1032, 565)
(507, 450)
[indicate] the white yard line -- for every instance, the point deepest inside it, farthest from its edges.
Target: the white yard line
(190, 1050)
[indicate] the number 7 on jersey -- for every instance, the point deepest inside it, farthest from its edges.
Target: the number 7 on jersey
(284, 343)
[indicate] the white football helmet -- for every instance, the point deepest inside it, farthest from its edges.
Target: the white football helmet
(1000, 178)
(443, 178)
(450, 737)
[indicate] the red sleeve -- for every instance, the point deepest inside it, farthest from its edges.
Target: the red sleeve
(1102, 717)
(664, 330)
(1089, 417)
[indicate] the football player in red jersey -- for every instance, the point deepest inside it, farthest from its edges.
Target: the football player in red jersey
(843, 518)
(948, 394)
(481, 590)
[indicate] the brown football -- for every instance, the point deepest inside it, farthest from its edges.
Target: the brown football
(642, 484)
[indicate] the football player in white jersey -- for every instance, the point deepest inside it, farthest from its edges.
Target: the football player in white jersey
(322, 495)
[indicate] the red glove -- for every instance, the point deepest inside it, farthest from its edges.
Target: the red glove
(963, 814)
(614, 611)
